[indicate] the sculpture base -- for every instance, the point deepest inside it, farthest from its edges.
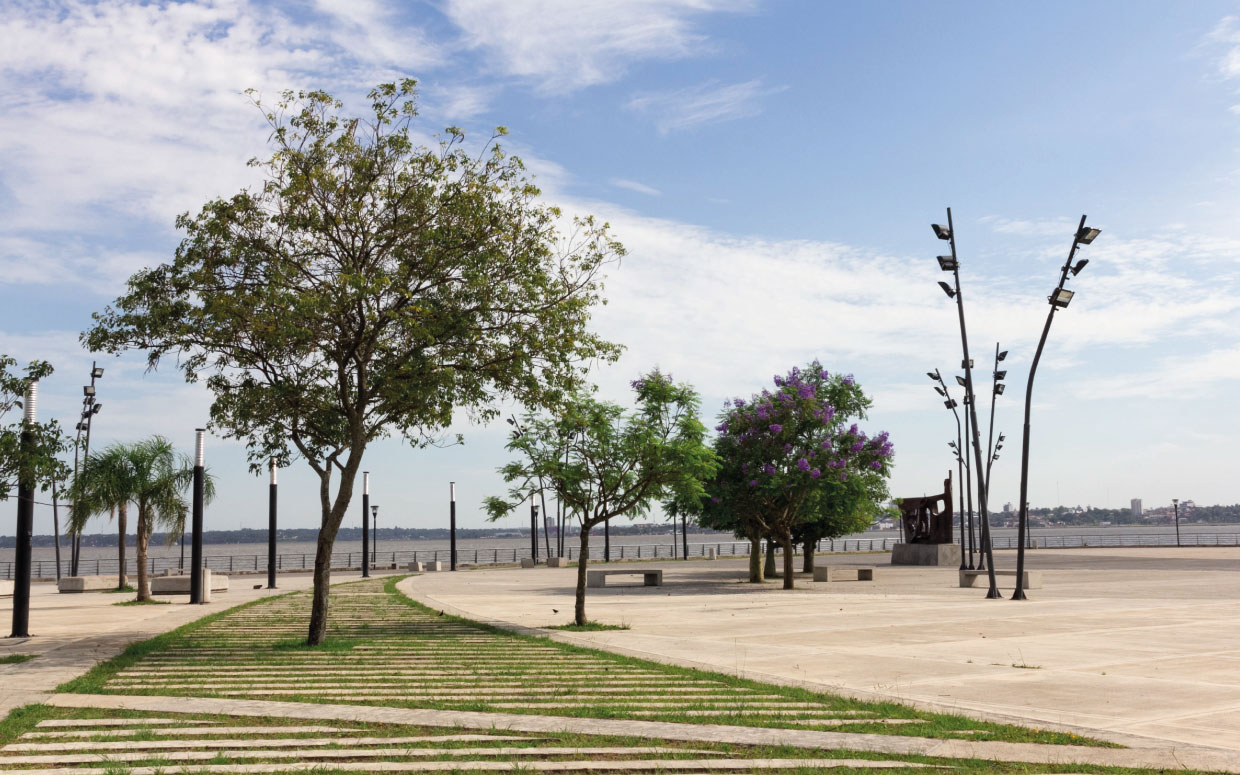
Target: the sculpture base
(943, 555)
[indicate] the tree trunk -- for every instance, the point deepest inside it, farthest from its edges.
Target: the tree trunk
(333, 515)
(808, 566)
(789, 561)
(144, 583)
(579, 609)
(121, 512)
(755, 560)
(319, 596)
(769, 570)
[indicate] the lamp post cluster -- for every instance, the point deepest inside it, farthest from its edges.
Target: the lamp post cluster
(1058, 299)
(90, 408)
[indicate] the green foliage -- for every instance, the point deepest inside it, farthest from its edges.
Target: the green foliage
(368, 287)
(39, 461)
(604, 462)
(15, 659)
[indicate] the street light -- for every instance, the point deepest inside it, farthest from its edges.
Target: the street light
(948, 234)
(1059, 299)
(374, 545)
(1175, 502)
(965, 546)
(89, 410)
(25, 515)
(365, 524)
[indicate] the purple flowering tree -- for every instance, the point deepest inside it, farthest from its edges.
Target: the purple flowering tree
(785, 453)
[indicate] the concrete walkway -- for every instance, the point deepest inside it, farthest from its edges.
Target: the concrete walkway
(1134, 645)
(1181, 758)
(71, 633)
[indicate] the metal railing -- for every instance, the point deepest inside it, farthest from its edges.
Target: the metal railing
(298, 561)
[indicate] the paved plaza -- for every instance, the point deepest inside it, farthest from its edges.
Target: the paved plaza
(1129, 644)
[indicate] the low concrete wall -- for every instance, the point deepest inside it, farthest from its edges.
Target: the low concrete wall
(6, 588)
(87, 583)
(179, 585)
(942, 555)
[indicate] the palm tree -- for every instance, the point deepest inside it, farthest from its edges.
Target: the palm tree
(152, 476)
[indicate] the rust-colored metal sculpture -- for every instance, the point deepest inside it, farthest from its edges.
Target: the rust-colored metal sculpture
(928, 519)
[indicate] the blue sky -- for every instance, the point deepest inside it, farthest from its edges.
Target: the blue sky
(773, 168)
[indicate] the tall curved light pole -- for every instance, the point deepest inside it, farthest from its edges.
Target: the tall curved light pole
(952, 264)
(1058, 299)
(950, 403)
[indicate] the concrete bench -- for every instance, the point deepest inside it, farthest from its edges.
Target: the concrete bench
(853, 573)
(528, 562)
(598, 578)
(6, 588)
(435, 565)
(557, 562)
(417, 567)
(87, 583)
(1033, 578)
(179, 585)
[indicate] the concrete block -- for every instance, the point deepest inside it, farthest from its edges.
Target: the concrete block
(87, 583)
(179, 585)
(436, 565)
(527, 562)
(969, 578)
(650, 577)
(6, 588)
(826, 572)
(417, 567)
(926, 554)
(712, 554)
(557, 562)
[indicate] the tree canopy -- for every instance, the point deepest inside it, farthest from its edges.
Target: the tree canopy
(618, 462)
(39, 460)
(368, 287)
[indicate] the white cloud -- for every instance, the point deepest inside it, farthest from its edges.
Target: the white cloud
(1227, 33)
(705, 103)
(633, 185)
(457, 102)
(564, 45)
(1174, 377)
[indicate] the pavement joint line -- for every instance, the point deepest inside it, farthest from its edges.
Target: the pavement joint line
(194, 730)
(1173, 758)
(335, 753)
(291, 742)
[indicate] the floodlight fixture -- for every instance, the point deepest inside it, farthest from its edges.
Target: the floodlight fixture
(95, 409)
(999, 386)
(1001, 356)
(1061, 297)
(951, 444)
(940, 391)
(966, 364)
(96, 372)
(1079, 266)
(1001, 438)
(511, 421)
(948, 263)
(934, 375)
(88, 390)
(960, 381)
(996, 457)
(942, 232)
(998, 446)
(999, 375)
(1087, 234)
(950, 403)
(81, 426)
(951, 293)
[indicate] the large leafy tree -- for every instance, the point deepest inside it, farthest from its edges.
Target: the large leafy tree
(368, 287)
(784, 451)
(148, 474)
(839, 508)
(618, 462)
(38, 460)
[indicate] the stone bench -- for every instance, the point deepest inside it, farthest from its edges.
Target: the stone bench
(435, 565)
(417, 567)
(179, 584)
(557, 562)
(87, 583)
(1033, 578)
(528, 562)
(853, 573)
(650, 578)
(6, 588)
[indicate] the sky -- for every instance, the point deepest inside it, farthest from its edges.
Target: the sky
(773, 169)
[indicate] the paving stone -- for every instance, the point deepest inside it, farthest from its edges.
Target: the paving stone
(293, 742)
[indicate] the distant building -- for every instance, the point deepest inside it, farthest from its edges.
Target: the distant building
(1137, 511)
(1007, 508)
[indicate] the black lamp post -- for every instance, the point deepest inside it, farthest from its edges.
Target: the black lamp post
(90, 408)
(374, 544)
(271, 528)
(996, 390)
(952, 264)
(1058, 299)
(452, 525)
(950, 403)
(365, 524)
(1175, 503)
(25, 515)
(195, 557)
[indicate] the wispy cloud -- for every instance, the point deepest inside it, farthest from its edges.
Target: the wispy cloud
(633, 185)
(705, 103)
(564, 45)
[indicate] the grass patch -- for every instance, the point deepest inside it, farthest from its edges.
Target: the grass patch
(587, 627)
(152, 601)
(121, 590)
(330, 643)
(15, 659)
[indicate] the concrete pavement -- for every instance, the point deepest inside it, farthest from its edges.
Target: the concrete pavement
(1126, 644)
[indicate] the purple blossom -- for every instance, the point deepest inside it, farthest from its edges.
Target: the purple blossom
(738, 403)
(637, 384)
(722, 427)
(805, 391)
(823, 374)
(849, 381)
(853, 429)
(716, 500)
(857, 447)
(803, 464)
(843, 476)
(876, 465)
(753, 482)
(776, 428)
(769, 469)
(787, 448)
(815, 473)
